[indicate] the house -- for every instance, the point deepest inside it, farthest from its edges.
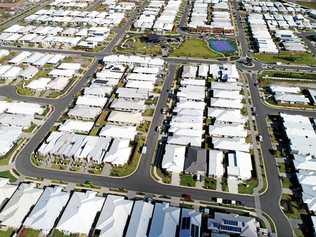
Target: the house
(72, 125)
(190, 223)
(239, 165)
(140, 219)
(233, 224)
(80, 213)
(215, 163)
(19, 205)
(173, 158)
(6, 190)
(195, 161)
(116, 131)
(165, 220)
(47, 210)
(125, 118)
(113, 216)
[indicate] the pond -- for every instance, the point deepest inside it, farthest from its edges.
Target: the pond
(225, 46)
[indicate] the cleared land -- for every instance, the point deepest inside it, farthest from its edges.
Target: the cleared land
(287, 74)
(288, 58)
(308, 4)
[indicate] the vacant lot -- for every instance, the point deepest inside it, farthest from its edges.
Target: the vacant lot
(288, 58)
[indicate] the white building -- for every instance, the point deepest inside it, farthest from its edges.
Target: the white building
(47, 210)
(80, 213)
(113, 217)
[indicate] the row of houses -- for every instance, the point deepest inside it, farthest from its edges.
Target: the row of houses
(300, 130)
(288, 95)
(114, 142)
(261, 34)
(228, 133)
(159, 16)
(74, 18)
(217, 20)
(72, 141)
(15, 118)
(71, 3)
(186, 127)
(279, 15)
(27, 65)
(289, 41)
(54, 36)
(49, 210)
(293, 94)
(65, 28)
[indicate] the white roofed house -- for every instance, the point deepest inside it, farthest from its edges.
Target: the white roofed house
(47, 210)
(125, 118)
(11, 74)
(116, 131)
(233, 224)
(9, 135)
(6, 190)
(84, 112)
(224, 72)
(28, 73)
(165, 220)
(173, 159)
(215, 163)
(240, 165)
(189, 71)
(121, 104)
(113, 217)
(91, 100)
(140, 219)
(72, 125)
(80, 213)
(24, 108)
(19, 205)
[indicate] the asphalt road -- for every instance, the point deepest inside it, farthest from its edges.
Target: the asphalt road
(270, 199)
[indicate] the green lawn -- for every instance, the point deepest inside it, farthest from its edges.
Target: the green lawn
(7, 174)
(94, 131)
(148, 112)
(288, 58)
(308, 4)
(187, 180)
(195, 48)
(286, 183)
(57, 233)
(209, 183)
(24, 91)
(248, 186)
(282, 168)
(165, 177)
(31, 128)
(6, 233)
(4, 160)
